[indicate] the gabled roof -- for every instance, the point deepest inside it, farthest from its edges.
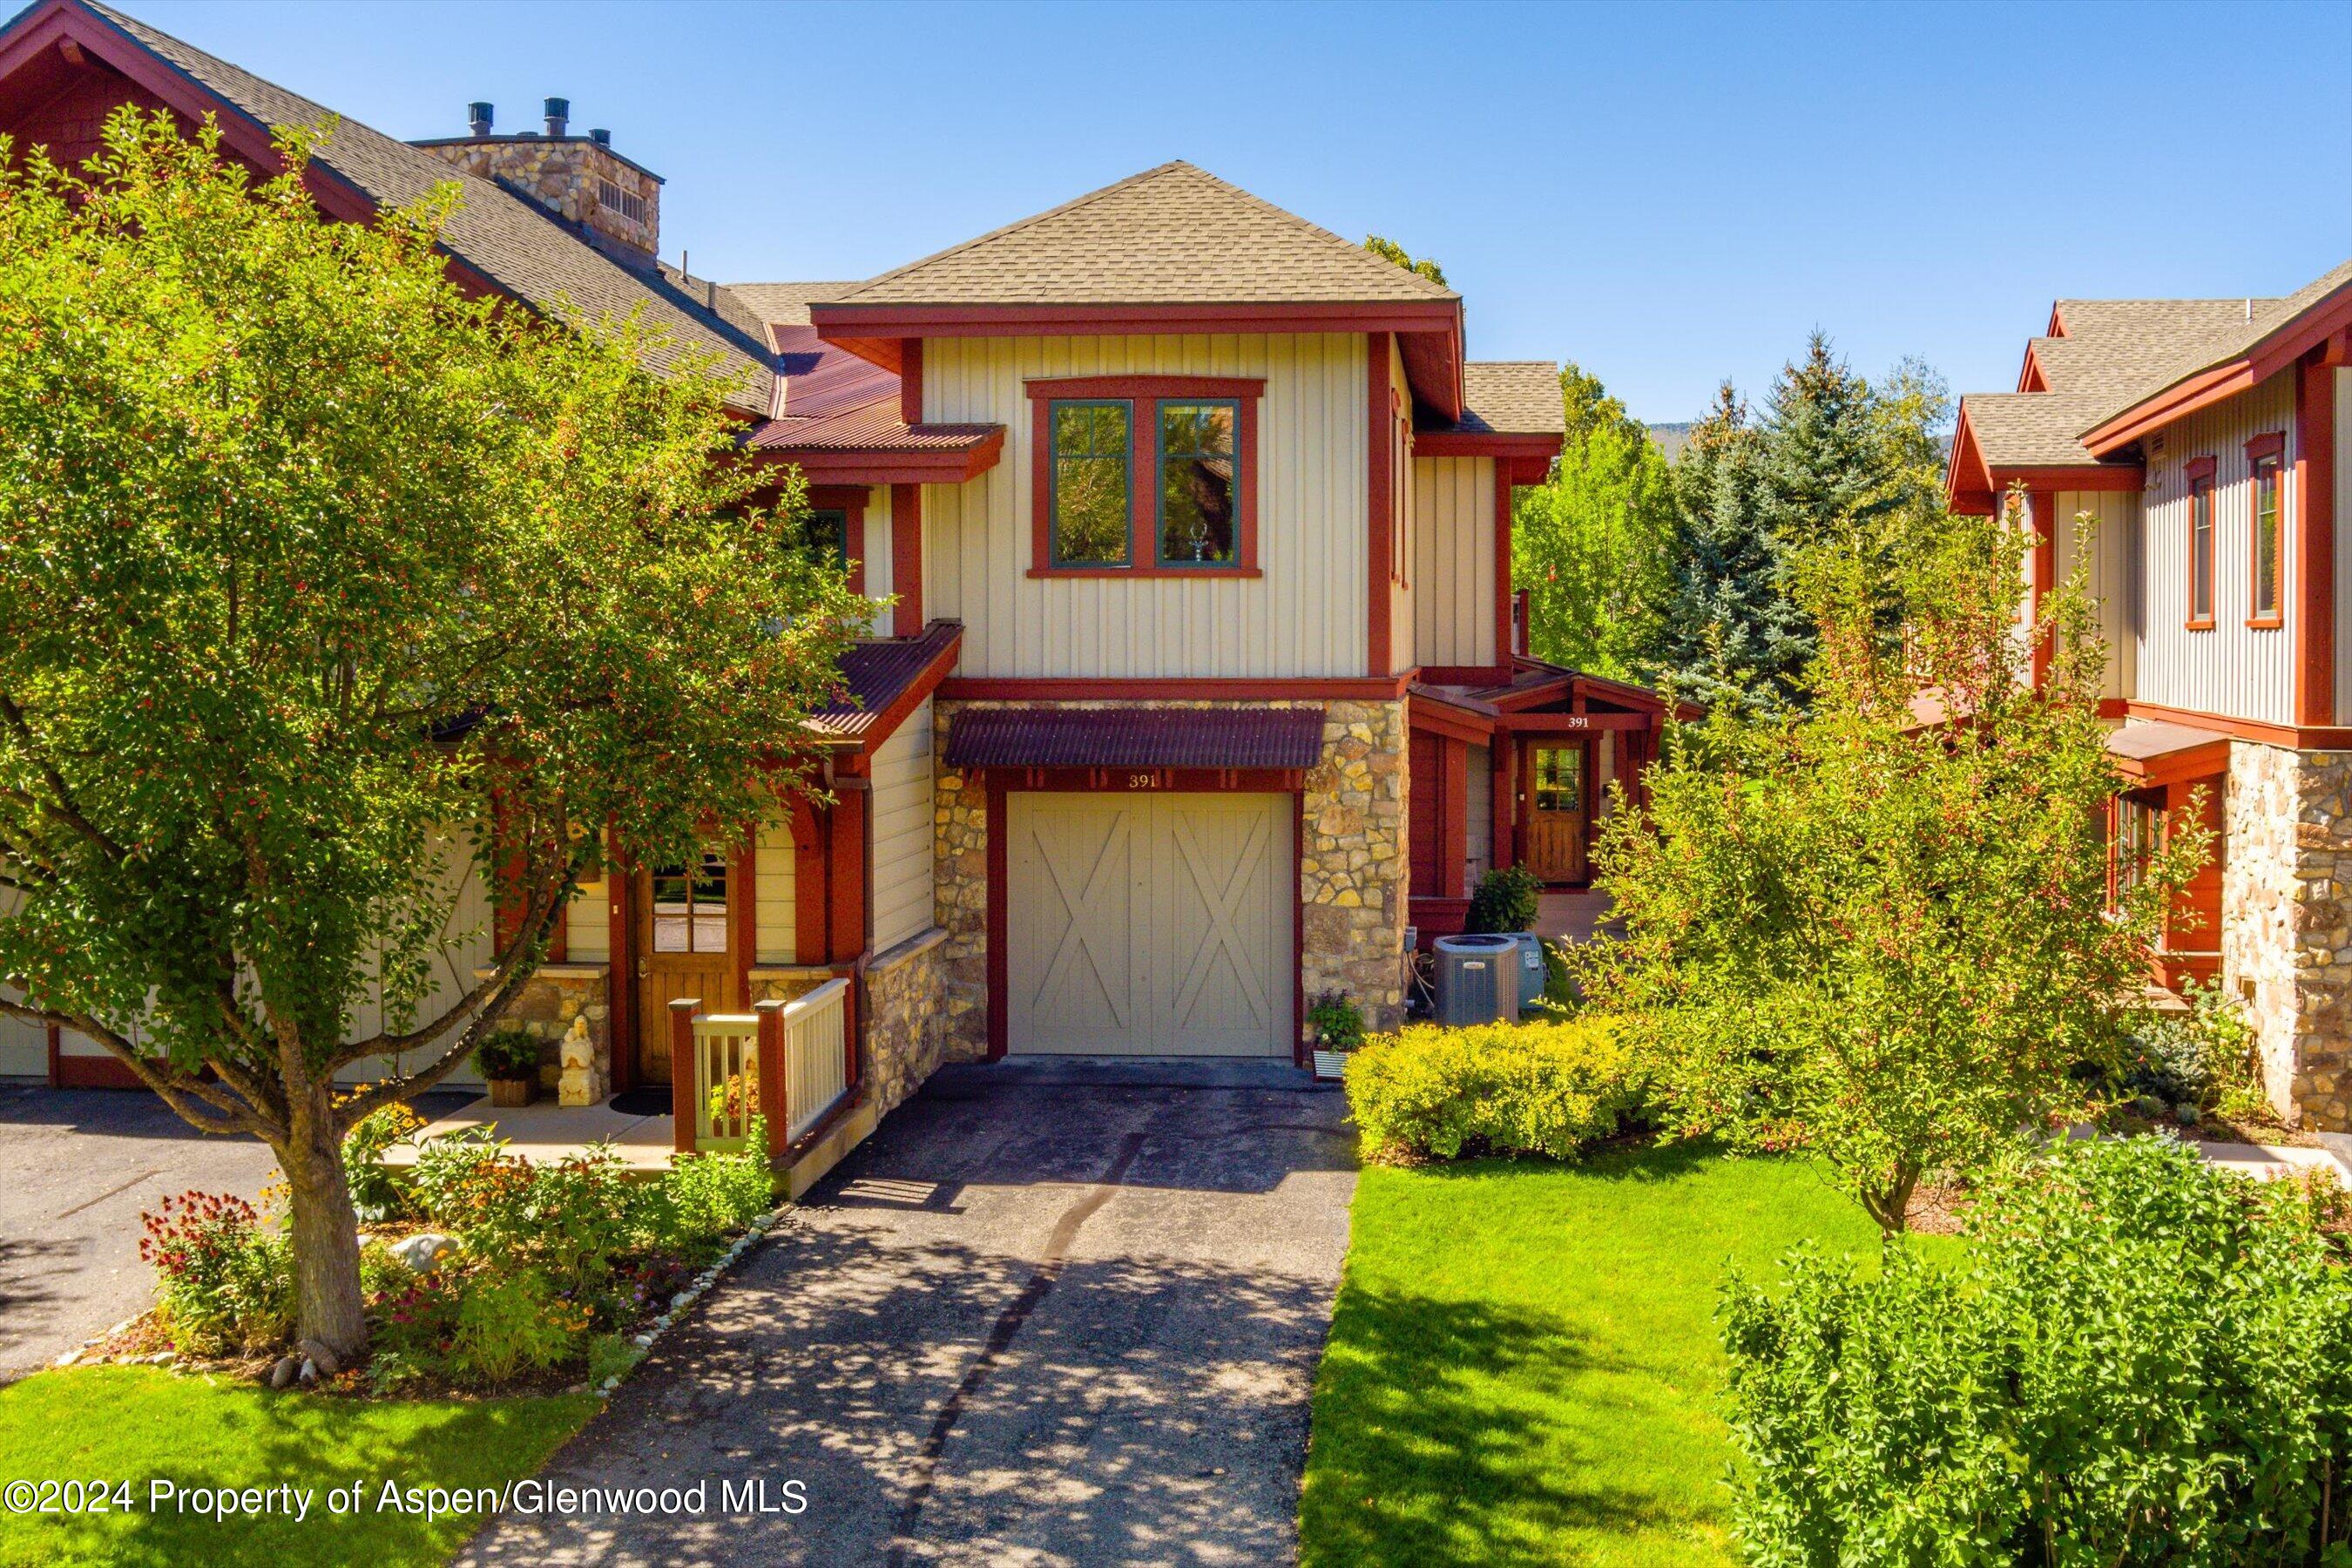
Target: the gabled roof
(513, 243)
(1508, 398)
(1173, 235)
(2109, 371)
(883, 680)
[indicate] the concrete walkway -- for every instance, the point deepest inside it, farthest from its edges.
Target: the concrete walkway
(1051, 1313)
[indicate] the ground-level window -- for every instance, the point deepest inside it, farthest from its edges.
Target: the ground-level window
(1559, 778)
(2200, 544)
(2267, 546)
(825, 533)
(689, 912)
(2140, 834)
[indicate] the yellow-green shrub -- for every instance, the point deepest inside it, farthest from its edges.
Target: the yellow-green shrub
(1496, 1088)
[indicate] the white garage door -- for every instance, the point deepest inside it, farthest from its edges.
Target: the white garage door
(1150, 924)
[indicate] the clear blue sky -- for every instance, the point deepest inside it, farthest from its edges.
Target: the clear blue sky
(1667, 194)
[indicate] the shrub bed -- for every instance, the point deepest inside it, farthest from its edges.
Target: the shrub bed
(2148, 1360)
(1551, 1089)
(543, 1272)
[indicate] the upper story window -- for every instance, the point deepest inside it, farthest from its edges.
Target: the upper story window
(825, 533)
(2200, 544)
(2266, 542)
(1144, 475)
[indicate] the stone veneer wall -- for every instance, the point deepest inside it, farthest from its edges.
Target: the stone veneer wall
(1352, 867)
(2286, 921)
(562, 175)
(568, 1001)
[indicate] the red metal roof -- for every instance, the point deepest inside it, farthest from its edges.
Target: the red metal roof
(875, 674)
(1131, 737)
(872, 427)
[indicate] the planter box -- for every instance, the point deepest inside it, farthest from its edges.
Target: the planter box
(1330, 1066)
(510, 1093)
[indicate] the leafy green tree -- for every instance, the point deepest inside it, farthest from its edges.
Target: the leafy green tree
(1885, 940)
(1389, 249)
(1588, 544)
(323, 587)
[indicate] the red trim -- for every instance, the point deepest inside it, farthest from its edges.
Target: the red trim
(1000, 966)
(1146, 781)
(845, 871)
(92, 1072)
(907, 559)
(2203, 762)
(2045, 573)
(1439, 719)
(1143, 395)
(1454, 825)
(2296, 737)
(1503, 500)
(890, 465)
(1574, 723)
(910, 381)
(1469, 674)
(1502, 767)
(1145, 689)
(2109, 477)
(620, 969)
(2199, 473)
(2315, 458)
(850, 500)
(1485, 444)
(683, 1112)
(1380, 495)
(2265, 457)
(1433, 918)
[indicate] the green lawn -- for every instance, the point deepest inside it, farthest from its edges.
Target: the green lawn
(1523, 1365)
(134, 1424)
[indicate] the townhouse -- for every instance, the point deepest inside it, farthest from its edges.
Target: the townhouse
(1196, 679)
(2190, 454)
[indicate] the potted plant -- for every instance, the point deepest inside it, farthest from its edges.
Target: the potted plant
(509, 1059)
(1337, 1028)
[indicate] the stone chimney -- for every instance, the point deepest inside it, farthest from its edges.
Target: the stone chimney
(609, 202)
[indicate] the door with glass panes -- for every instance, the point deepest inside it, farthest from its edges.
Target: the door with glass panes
(685, 948)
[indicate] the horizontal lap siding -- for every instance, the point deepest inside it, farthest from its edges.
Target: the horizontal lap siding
(902, 831)
(1304, 616)
(2231, 670)
(774, 894)
(1453, 557)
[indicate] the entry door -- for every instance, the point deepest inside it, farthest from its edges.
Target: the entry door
(1556, 812)
(685, 943)
(1150, 924)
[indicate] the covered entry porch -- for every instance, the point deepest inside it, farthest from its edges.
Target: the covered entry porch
(1519, 773)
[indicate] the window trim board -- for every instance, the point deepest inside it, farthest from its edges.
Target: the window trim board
(1144, 395)
(2268, 448)
(2198, 472)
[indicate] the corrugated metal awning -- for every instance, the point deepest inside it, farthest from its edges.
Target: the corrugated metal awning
(1135, 738)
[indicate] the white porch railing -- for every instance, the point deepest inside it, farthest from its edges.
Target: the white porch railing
(789, 1060)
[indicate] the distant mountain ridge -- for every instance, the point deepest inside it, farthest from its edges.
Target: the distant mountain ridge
(1670, 437)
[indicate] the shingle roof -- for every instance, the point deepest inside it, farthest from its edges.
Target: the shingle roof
(1173, 235)
(1509, 397)
(785, 304)
(514, 242)
(2118, 353)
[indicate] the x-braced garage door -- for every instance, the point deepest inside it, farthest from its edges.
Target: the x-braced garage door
(1150, 924)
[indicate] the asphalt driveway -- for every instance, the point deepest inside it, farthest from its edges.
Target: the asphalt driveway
(1050, 1313)
(77, 1166)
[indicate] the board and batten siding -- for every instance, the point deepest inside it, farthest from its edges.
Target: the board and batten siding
(468, 938)
(1478, 816)
(2113, 584)
(1454, 510)
(2232, 670)
(775, 892)
(877, 556)
(1404, 642)
(1303, 616)
(903, 847)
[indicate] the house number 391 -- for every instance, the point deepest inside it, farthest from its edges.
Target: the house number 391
(1143, 781)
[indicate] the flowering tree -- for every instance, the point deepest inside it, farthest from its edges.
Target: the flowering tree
(1881, 929)
(321, 588)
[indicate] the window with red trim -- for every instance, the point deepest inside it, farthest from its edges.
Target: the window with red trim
(2200, 545)
(2266, 529)
(1144, 475)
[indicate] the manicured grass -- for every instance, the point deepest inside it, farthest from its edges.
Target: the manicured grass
(1523, 1365)
(133, 1423)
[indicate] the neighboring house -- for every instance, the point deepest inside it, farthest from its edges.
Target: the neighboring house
(2203, 439)
(1196, 676)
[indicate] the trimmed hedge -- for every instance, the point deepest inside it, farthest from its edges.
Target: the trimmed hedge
(1496, 1088)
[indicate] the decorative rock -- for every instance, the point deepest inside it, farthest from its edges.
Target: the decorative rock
(645, 1339)
(319, 1354)
(421, 1253)
(283, 1374)
(309, 1371)
(68, 1359)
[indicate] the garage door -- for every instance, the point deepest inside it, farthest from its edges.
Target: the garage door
(1150, 924)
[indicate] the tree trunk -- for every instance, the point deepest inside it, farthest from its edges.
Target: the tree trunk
(1890, 1205)
(328, 1302)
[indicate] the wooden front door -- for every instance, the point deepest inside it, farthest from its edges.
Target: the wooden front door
(686, 947)
(1557, 811)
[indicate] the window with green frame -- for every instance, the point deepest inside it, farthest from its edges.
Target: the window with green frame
(824, 534)
(1198, 462)
(1092, 450)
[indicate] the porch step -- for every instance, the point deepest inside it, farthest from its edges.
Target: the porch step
(807, 1165)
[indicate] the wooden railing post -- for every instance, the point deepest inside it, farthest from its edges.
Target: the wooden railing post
(775, 1088)
(684, 1072)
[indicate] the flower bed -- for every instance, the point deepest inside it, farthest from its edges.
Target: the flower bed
(480, 1272)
